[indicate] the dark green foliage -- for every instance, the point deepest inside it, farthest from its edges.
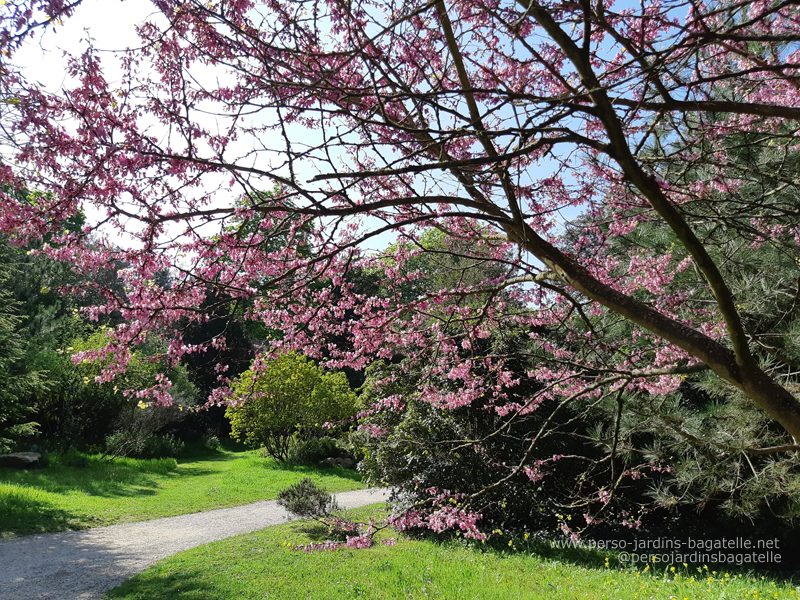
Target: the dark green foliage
(211, 442)
(148, 431)
(237, 353)
(226, 320)
(472, 450)
(708, 440)
(314, 450)
(80, 409)
(17, 383)
(75, 409)
(306, 499)
(142, 444)
(56, 403)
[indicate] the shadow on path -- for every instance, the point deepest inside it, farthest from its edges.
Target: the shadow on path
(83, 565)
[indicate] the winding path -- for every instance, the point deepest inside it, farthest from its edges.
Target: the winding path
(84, 565)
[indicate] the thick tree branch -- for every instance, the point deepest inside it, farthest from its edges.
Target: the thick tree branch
(713, 106)
(738, 367)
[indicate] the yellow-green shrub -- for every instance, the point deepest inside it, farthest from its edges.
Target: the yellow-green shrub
(292, 396)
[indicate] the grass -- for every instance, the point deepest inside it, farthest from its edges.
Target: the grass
(264, 565)
(63, 497)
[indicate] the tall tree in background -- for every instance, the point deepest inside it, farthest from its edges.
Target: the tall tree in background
(489, 120)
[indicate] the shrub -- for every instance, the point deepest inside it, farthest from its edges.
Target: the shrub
(312, 451)
(142, 444)
(306, 499)
(290, 397)
(211, 442)
(424, 453)
(75, 459)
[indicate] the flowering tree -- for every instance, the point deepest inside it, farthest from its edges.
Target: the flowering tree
(491, 121)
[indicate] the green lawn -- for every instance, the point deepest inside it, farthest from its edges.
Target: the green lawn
(66, 497)
(264, 565)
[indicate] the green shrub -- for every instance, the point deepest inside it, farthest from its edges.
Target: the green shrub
(306, 499)
(211, 442)
(142, 444)
(291, 398)
(423, 447)
(312, 451)
(73, 458)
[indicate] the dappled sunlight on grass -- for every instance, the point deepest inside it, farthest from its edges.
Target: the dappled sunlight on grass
(19, 504)
(123, 477)
(205, 456)
(314, 471)
(102, 491)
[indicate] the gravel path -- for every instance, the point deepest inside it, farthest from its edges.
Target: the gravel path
(83, 565)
